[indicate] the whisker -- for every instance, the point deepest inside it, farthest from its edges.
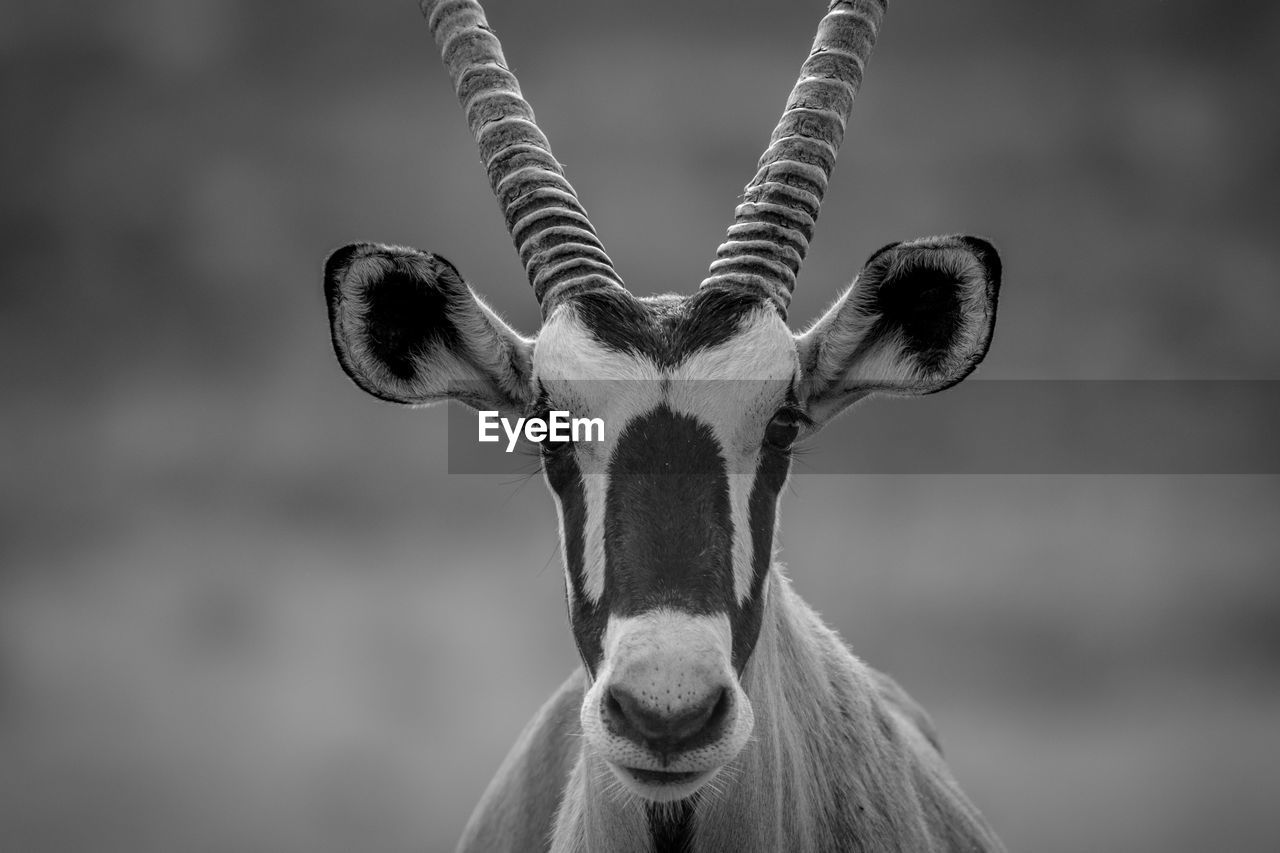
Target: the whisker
(550, 557)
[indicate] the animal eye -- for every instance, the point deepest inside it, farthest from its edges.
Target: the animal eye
(781, 432)
(555, 442)
(553, 446)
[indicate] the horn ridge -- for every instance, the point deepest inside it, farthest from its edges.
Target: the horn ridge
(780, 204)
(549, 226)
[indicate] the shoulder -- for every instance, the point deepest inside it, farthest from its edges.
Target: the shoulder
(908, 710)
(951, 820)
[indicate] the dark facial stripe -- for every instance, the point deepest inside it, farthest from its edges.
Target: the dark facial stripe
(668, 531)
(771, 474)
(665, 330)
(588, 620)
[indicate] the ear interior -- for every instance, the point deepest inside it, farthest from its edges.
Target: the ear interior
(918, 319)
(934, 300)
(406, 328)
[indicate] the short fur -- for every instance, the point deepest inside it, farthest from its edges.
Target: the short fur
(917, 320)
(714, 711)
(839, 758)
(875, 782)
(407, 329)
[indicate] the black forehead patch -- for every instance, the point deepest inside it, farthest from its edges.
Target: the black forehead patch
(668, 530)
(665, 329)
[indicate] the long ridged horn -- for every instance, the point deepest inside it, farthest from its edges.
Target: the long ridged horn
(773, 225)
(557, 245)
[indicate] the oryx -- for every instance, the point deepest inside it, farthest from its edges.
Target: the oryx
(713, 709)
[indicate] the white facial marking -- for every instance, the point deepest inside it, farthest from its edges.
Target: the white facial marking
(590, 380)
(736, 388)
(594, 487)
(680, 657)
(733, 388)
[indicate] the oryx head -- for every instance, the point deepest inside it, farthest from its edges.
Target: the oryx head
(667, 525)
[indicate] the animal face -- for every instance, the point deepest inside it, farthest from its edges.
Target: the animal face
(699, 401)
(667, 525)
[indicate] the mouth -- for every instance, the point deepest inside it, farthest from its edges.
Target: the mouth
(662, 785)
(662, 777)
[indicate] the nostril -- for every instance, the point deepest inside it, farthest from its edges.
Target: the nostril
(614, 713)
(719, 711)
(696, 719)
(631, 717)
(661, 729)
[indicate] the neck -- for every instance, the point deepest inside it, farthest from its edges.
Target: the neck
(823, 765)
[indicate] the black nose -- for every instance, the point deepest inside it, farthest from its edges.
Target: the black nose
(666, 730)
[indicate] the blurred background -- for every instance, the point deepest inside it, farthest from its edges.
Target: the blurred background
(243, 606)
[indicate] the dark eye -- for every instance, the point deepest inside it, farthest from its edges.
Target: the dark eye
(551, 445)
(781, 432)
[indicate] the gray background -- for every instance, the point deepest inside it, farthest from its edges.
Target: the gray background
(243, 607)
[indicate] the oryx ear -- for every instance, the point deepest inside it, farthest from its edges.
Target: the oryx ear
(918, 319)
(408, 329)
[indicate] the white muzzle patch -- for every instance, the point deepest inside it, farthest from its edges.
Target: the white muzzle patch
(666, 711)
